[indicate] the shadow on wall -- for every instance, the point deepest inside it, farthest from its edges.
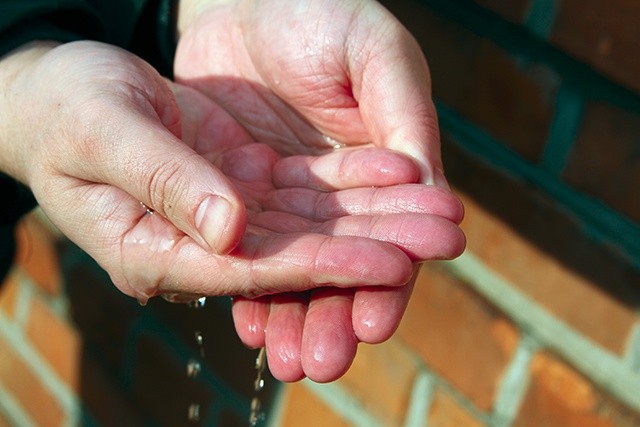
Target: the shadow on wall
(134, 359)
(544, 142)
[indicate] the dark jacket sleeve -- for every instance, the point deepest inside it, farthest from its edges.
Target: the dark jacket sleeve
(145, 27)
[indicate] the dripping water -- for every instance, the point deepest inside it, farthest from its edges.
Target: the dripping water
(193, 413)
(256, 415)
(194, 366)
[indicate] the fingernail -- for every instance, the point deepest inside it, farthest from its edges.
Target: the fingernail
(212, 219)
(439, 179)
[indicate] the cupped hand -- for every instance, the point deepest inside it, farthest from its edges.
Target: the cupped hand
(311, 333)
(99, 133)
(306, 77)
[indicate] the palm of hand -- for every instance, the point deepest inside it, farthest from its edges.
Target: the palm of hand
(305, 77)
(302, 194)
(302, 83)
(295, 236)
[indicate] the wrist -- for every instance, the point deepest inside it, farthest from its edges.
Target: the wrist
(12, 66)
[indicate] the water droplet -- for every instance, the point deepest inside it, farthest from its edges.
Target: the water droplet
(258, 385)
(198, 303)
(143, 301)
(254, 416)
(192, 300)
(193, 413)
(260, 359)
(149, 211)
(193, 368)
(199, 338)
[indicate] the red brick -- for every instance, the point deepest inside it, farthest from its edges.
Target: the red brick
(458, 334)
(513, 10)
(602, 33)
(8, 294)
(303, 408)
(4, 422)
(513, 101)
(37, 254)
(56, 340)
(446, 412)
(547, 280)
(24, 385)
(381, 378)
(558, 395)
(604, 161)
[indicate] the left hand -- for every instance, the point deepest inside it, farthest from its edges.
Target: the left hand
(306, 77)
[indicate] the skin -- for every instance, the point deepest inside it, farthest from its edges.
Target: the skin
(314, 77)
(91, 154)
(299, 199)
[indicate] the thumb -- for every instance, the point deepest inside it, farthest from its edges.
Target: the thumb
(150, 163)
(395, 101)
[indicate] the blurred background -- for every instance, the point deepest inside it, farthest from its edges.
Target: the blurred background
(537, 324)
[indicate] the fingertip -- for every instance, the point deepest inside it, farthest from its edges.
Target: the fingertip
(250, 320)
(285, 372)
(220, 223)
(329, 344)
(284, 336)
(452, 242)
(377, 312)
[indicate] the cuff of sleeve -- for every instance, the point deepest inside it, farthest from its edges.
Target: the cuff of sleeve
(18, 36)
(7, 250)
(16, 198)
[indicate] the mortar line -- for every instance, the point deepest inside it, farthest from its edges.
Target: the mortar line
(563, 130)
(63, 394)
(632, 353)
(420, 401)
(13, 410)
(459, 397)
(600, 222)
(22, 304)
(342, 403)
(513, 385)
(599, 365)
(541, 17)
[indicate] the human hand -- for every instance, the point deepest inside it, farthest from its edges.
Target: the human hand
(97, 133)
(313, 74)
(311, 333)
(305, 77)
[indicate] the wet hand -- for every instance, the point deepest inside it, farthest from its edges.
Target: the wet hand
(100, 146)
(302, 77)
(366, 193)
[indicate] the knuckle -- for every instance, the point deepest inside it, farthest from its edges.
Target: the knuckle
(165, 184)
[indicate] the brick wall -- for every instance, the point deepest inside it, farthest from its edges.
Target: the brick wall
(75, 351)
(535, 325)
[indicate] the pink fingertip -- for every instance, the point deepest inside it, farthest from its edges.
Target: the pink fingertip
(250, 320)
(284, 336)
(329, 344)
(377, 312)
